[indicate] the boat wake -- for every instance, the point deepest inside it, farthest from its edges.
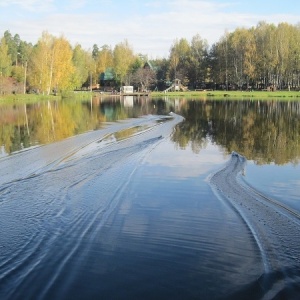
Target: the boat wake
(274, 227)
(55, 200)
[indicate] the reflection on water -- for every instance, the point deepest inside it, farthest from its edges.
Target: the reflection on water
(263, 131)
(127, 212)
(27, 125)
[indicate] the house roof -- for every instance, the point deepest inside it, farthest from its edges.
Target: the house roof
(150, 65)
(107, 75)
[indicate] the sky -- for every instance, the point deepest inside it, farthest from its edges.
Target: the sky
(150, 27)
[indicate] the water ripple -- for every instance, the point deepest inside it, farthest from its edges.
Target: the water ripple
(53, 211)
(275, 228)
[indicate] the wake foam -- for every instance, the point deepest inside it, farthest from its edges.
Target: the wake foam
(275, 228)
(56, 199)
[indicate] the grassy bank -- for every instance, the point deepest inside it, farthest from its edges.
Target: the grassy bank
(238, 95)
(230, 94)
(38, 97)
(28, 98)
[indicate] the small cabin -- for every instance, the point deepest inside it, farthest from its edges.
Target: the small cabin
(126, 89)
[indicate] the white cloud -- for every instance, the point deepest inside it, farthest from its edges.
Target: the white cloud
(166, 156)
(29, 5)
(151, 27)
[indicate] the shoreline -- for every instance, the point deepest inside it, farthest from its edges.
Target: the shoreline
(232, 94)
(222, 95)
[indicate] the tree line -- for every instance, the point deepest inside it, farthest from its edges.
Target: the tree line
(266, 56)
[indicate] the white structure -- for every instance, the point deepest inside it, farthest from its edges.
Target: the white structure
(126, 89)
(128, 101)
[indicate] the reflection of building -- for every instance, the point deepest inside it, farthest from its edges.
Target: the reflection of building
(128, 101)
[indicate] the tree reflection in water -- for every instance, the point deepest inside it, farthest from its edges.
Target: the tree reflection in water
(263, 131)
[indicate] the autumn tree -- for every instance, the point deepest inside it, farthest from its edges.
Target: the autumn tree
(62, 65)
(265, 56)
(198, 67)
(81, 72)
(180, 60)
(263, 36)
(104, 59)
(5, 59)
(40, 67)
(123, 57)
(218, 60)
(51, 66)
(243, 47)
(284, 41)
(294, 58)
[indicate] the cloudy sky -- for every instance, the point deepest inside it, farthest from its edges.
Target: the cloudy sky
(149, 26)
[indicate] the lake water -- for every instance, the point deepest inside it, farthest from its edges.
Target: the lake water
(150, 199)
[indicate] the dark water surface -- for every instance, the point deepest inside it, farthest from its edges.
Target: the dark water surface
(126, 200)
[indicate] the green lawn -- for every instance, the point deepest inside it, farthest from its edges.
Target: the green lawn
(231, 94)
(38, 97)
(238, 95)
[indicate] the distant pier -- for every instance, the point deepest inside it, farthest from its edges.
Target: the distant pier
(136, 94)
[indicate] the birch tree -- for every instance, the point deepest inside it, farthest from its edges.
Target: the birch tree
(104, 59)
(5, 59)
(80, 74)
(62, 68)
(51, 67)
(198, 67)
(180, 53)
(41, 64)
(123, 57)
